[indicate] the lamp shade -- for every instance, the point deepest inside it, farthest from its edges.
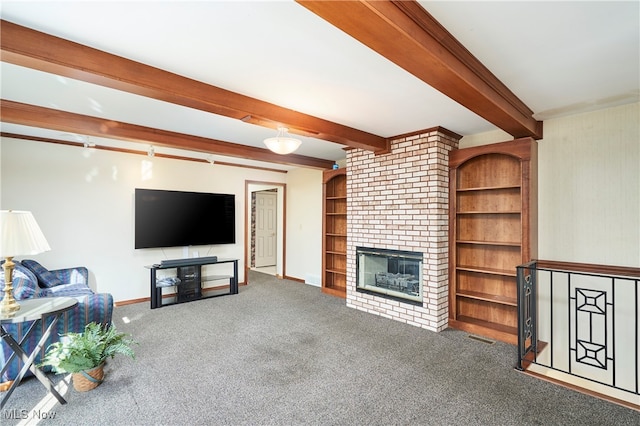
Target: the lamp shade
(20, 234)
(282, 144)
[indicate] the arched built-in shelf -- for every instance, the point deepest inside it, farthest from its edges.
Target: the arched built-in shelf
(492, 229)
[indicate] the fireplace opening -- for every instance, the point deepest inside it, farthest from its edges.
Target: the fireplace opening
(393, 274)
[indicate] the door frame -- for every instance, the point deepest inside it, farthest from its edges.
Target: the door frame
(254, 186)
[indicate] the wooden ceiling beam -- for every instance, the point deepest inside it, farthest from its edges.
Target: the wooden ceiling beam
(41, 117)
(406, 34)
(33, 49)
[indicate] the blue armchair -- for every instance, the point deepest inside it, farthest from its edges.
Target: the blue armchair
(31, 280)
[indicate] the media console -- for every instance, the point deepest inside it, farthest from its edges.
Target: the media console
(188, 280)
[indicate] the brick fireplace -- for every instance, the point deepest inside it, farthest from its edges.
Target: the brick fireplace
(400, 201)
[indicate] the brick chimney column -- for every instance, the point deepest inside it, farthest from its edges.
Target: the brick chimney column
(400, 201)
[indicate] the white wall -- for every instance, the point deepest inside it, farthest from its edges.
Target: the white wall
(304, 225)
(83, 201)
(588, 186)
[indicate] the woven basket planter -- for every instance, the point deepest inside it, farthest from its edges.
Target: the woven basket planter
(88, 379)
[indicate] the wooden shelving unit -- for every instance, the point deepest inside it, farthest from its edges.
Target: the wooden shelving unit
(492, 229)
(334, 231)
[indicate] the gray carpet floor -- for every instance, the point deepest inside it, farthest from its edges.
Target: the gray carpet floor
(283, 353)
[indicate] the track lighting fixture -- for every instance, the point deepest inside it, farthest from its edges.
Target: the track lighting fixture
(88, 143)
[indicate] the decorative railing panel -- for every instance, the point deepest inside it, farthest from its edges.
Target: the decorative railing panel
(582, 321)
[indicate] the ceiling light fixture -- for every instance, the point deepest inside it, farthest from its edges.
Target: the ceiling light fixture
(88, 143)
(83, 139)
(283, 143)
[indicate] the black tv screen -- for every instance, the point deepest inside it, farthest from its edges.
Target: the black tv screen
(179, 218)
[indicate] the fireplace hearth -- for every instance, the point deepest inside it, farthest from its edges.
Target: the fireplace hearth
(388, 273)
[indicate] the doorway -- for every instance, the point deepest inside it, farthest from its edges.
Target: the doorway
(265, 229)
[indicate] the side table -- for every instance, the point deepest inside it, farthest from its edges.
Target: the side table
(37, 310)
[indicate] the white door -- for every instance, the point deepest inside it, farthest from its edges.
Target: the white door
(266, 209)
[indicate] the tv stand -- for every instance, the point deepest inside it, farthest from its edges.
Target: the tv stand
(188, 280)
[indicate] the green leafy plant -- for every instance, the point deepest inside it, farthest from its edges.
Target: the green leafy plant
(76, 352)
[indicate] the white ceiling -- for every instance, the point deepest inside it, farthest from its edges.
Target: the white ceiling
(558, 57)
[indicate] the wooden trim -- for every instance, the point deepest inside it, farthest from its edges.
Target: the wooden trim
(33, 49)
(566, 385)
(623, 271)
(453, 254)
(246, 269)
(438, 129)
(407, 35)
(131, 301)
(519, 148)
(334, 292)
(290, 278)
(36, 116)
(505, 336)
(135, 152)
(284, 230)
(327, 175)
(247, 239)
(281, 187)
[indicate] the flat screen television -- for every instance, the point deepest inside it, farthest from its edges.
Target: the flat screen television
(179, 218)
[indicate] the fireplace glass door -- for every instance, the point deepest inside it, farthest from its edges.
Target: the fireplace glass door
(392, 273)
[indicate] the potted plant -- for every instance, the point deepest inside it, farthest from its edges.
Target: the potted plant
(84, 354)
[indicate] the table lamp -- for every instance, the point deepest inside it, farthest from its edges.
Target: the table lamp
(19, 235)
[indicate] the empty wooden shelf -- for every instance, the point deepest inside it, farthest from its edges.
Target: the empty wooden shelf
(492, 229)
(334, 232)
